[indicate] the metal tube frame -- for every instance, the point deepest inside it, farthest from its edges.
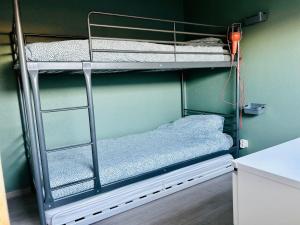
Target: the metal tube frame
(34, 78)
(24, 117)
(237, 107)
(87, 70)
(30, 118)
(33, 122)
(183, 94)
(157, 30)
(155, 41)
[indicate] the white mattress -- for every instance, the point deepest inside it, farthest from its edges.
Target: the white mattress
(78, 51)
(132, 155)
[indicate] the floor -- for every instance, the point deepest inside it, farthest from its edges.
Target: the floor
(209, 203)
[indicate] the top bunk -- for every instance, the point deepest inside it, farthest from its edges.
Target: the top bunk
(113, 44)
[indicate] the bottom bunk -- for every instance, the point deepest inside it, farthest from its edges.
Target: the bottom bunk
(102, 206)
(126, 157)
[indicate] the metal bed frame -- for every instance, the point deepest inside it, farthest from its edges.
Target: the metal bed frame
(32, 113)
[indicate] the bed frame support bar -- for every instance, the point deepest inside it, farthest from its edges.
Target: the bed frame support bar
(64, 109)
(183, 94)
(29, 111)
(69, 147)
(73, 183)
(24, 117)
(87, 70)
(238, 104)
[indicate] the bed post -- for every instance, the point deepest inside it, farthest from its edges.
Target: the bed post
(87, 71)
(238, 109)
(29, 111)
(183, 94)
(34, 78)
(23, 113)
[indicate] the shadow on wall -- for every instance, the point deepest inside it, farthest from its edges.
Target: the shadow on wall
(11, 149)
(14, 152)
(15, 168)
(209, 89)
(114, 79)
(46, 16)
(5, 44)
(7, 75)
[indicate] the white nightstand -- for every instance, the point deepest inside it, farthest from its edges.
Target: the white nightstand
(266, 186)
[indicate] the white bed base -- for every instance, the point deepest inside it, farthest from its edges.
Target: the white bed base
(108, 204)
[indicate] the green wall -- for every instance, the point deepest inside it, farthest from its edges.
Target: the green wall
(124, 104)
(270, 66)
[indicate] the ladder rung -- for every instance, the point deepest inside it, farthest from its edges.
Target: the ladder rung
(69, 147)
(73, 183)
(64, 109)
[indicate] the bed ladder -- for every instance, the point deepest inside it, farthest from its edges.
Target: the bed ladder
(34, 78)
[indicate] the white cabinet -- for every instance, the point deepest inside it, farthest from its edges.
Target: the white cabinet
(266, 186)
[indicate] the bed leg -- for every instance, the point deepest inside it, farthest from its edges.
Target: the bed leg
(24, 120)
(30, 117)
(238, 107)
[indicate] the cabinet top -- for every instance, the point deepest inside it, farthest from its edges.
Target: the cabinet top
(280, 163)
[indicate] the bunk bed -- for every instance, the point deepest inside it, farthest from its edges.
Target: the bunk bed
(121, 173)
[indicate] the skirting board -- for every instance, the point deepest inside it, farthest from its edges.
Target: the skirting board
(108, 204)
(18, 193)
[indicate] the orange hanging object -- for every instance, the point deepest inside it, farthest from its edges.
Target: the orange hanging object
(235, 38)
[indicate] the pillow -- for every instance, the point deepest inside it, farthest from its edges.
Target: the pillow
(205, 42)
(203, 123)
(197, 125)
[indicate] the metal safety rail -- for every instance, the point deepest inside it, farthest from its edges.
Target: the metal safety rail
(93, 27)
(178, 37)
(32, 112)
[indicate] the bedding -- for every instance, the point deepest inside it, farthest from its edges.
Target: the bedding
(210, 41)
(78, 51)
(132, 155)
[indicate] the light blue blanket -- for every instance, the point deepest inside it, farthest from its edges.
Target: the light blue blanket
(124, 157)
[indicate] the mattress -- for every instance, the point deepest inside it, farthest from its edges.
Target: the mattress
(78, 51)
(132, 155)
